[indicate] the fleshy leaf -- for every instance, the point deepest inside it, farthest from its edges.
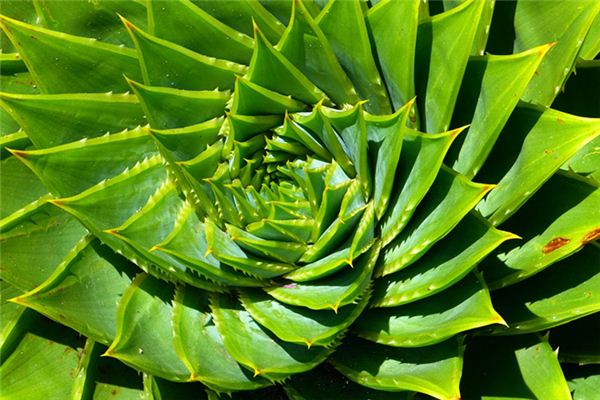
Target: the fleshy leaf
(166, 64)
(551, 139)
(433, 370)
(451, 197)
(186, 24)
(51, 120)
(143, 338)
(443, 47)
(54, 57)
(563, 292)
(298, 324)
(466, 305)
(257, 349)
(201, 347)
(343, 23)
(513, 368)
(394, 41)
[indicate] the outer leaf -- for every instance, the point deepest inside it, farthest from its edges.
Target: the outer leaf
(166, 64)
(34, 241)
(241, 14)
(433, 370)
(51, 120)
(554, 296)
(451, 197)
(297, 324)
(464, 306)
(18, 180)
(543, 151)
(84, 290)
(443, 47)
(536, 25)
(188, 25)
(51, 57)
(394, 42)
(420, 162)
(201, 347)
(490, 90)
(513, 368)
(591, 45)
(257, 349)
(563, 216)
(71, 168)
(343, 24)
(143, 338)
(169, 108)
(444, 264)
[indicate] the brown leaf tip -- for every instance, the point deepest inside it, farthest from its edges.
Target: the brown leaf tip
(554, 244)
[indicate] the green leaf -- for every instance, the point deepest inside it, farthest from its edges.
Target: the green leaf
(451, 197)
(71, 168)
(167, 64)
(537, 24)
(99, 20)
(35, 240)
(584, 382)
(14, 319)
(186, 24)
(51, 120)
(271, 70)
(54, 58)
(562, 217)
(464, 306)
(420, 161)
(343, 23)
(386, 150)
(433, 370)
(18, 180)
(549, 138)
(252, 99)
(489, 92)
(104, 206)
(84, 290)
(298, 324)
(168, 108)
(43, 365)
(331, 292)
(201, 348)
(257, 349)
(552, 297)
(17, 140)
(591, 45)
(304, 45)
(185, 143)
(443, 265)
(523, 367)
(443, 46)
(144, 340)
(396, 41)
(241, 14)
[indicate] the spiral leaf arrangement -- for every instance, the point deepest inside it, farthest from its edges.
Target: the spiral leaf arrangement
(309, 199)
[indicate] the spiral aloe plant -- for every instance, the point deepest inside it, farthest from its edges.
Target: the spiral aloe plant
(302, 199)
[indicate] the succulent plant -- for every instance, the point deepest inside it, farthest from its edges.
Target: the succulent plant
(308, 199)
